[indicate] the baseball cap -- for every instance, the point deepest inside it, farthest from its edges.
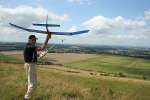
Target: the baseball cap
(32, 36)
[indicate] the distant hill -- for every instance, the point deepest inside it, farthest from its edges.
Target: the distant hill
(140, 52)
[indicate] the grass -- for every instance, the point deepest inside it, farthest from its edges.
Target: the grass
(14, 60)
(9, 59)
(60, 86)
(116, 65)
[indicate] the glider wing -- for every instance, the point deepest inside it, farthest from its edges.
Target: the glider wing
(45, 32)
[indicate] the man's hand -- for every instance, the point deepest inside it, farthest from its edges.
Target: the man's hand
(47, 39)
(49, 34)
(45, 43)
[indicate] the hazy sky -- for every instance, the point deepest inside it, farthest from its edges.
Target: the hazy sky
(111, 22)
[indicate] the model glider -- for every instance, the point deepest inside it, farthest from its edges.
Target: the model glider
(47, 30)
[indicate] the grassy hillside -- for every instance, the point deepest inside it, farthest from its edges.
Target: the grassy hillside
(9, 59)
(115, 65)
(64, 85)
(57, 85)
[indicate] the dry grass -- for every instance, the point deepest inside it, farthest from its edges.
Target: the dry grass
(59, 83)
(68, 57)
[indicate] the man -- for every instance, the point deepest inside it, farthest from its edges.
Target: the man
(30, 58)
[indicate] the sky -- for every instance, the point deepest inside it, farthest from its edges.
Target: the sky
(111, 22)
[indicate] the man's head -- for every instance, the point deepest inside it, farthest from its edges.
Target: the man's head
(32, 39)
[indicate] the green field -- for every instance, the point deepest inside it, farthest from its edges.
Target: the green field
(115, 65)
(61, 85)
(9, 59)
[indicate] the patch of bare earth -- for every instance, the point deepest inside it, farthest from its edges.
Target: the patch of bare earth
(17, 54)
(68, 57)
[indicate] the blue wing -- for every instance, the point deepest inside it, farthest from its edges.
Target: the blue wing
(71, 33)
(29, 30)
(45, 32)
(49, 25)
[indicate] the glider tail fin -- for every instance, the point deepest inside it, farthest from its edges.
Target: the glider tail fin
(48, 32)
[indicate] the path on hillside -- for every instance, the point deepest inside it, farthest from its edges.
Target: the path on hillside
(92, 74)
(81, 73)
(69, 57)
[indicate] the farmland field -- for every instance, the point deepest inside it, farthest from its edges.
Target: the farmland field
(78, 77)
(116, 65)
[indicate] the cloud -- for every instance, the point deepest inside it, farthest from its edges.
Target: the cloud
(119, 30)
(103, 30)
(24, 16)
(73, 29)
(147, 15)
(102, 25)
(81, 1)
(113, 31)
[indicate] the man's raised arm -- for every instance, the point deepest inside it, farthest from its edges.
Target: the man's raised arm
(45, 43)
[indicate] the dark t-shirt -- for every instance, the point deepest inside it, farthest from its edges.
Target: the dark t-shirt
(30, 53)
